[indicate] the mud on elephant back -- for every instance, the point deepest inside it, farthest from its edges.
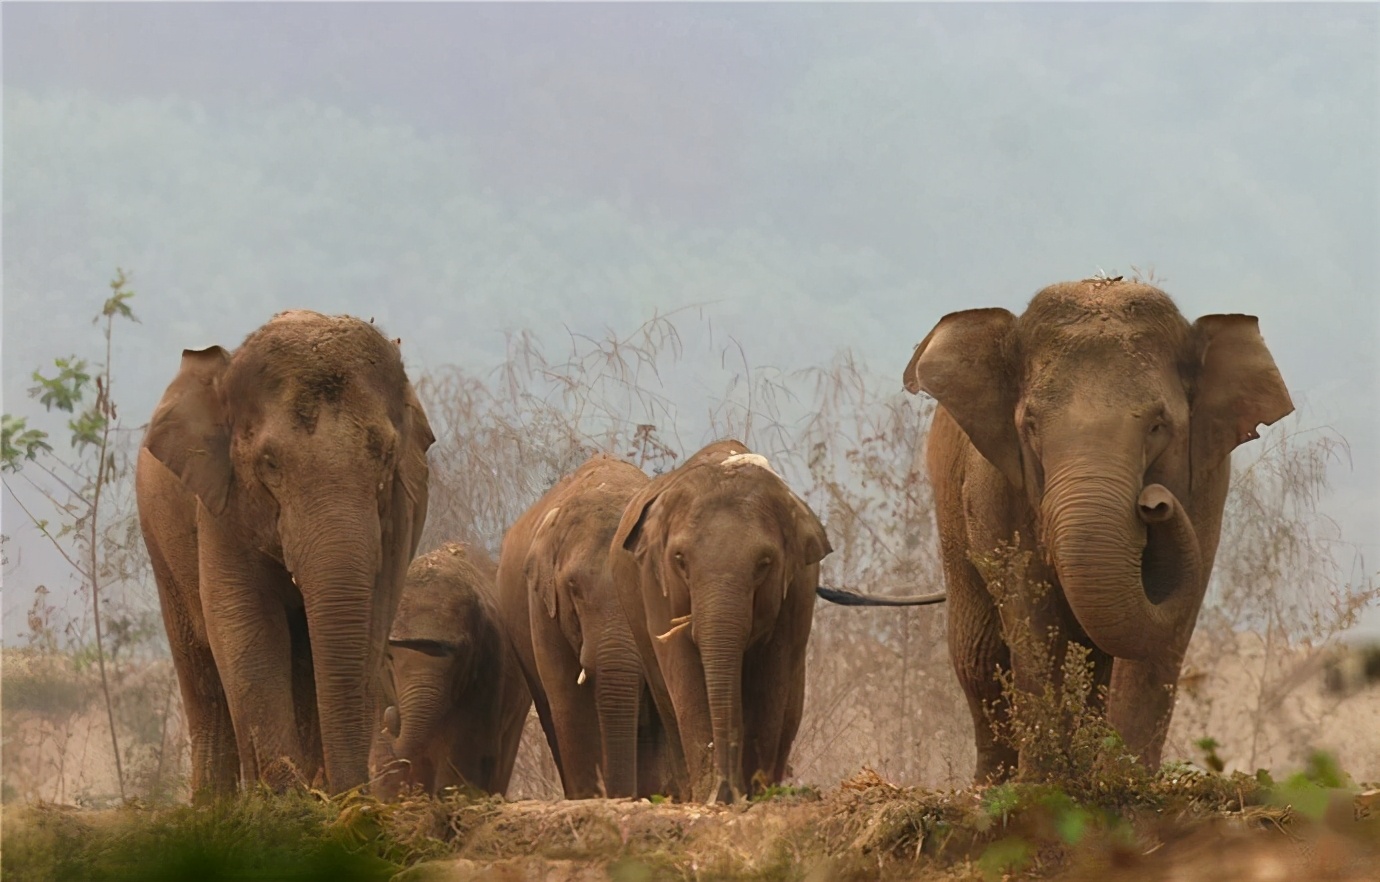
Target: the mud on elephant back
(282, 489)
(1098, 426)
(717, 563)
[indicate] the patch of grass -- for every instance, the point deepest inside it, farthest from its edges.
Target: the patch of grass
(784, 791)
(295, 837)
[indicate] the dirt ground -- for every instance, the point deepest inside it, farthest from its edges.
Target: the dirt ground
(864, 829)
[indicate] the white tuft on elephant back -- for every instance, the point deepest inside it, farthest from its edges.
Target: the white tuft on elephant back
(738, 460)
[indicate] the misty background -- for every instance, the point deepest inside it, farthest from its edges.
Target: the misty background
(807, 177)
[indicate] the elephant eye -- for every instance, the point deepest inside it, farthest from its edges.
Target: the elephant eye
(269, 470)
(680, 562)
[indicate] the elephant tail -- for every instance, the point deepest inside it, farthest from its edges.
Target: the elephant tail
(845, 597)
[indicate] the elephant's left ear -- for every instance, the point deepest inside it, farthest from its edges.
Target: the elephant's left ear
(1238, 387)
(814, 540)
(412, 466)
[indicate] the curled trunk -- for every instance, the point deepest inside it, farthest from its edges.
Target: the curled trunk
(1126, 556)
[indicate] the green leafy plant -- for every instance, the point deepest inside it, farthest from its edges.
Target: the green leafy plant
(76, 486)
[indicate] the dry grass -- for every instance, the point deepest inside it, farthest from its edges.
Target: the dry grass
(1186, 827)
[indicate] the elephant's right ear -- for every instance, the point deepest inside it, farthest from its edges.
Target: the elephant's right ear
(189, 432)
(964, 364)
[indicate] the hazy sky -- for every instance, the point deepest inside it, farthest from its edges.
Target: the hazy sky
(824, 176)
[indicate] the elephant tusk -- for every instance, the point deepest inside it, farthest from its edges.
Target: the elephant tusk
(677, 624)
(580, 681)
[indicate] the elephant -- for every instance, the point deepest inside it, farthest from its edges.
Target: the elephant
(1098, 426)
(281, 493)
(573, 640)
(457, 700)
(717, 563)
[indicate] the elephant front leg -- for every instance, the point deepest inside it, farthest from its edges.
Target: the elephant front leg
(576, 723)
(683, 673)
(1141, 704)
(980, 659)
(248, 630)
(215, 761)
(773, 693)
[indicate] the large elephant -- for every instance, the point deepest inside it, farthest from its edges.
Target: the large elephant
(717, 563)
(1099, 426)
(571, 635)
(281, 494)
(457, 700)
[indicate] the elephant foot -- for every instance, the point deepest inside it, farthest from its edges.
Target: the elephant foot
(723, 794)
(282, 775)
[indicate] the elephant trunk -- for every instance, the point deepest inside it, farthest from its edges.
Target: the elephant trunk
(337, 568)
(1126, 555)
(421, 707)
(617, 690)
(721, 631)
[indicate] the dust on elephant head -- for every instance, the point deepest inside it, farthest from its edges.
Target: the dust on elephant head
(457, 700)
(286, 500)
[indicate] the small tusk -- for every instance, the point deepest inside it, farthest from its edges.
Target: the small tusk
(580, 681)
(674, 628)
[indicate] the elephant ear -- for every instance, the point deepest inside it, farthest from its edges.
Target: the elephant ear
(964, 365)
(1238, 388)
(540, 566)
(412, 467)
(420, 439)
(189, 431)
(809, 544)
(641, 531)
(810, 533)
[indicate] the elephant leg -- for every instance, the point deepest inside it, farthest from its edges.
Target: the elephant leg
(514, 703)
(1142, 703)
(215, 760)
(248, 629)
(683, 673)
(653, 758)
(980, 657)
(767, 690)
(304, 698)
(575, 721)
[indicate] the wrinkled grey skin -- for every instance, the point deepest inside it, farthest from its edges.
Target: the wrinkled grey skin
(717, 564)
(1098, 425)
(281, 493)
(456, 698)
(568, 629)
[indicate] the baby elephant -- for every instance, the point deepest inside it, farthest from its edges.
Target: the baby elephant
(457, 699)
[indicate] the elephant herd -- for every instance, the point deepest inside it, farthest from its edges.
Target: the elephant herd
(659, 624)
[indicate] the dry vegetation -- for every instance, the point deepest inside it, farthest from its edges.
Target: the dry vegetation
(884, 716)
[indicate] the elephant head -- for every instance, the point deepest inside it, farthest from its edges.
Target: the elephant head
(444, 639)
(570, 586)
(722, 541)
(309, 444)
(1115, 417)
